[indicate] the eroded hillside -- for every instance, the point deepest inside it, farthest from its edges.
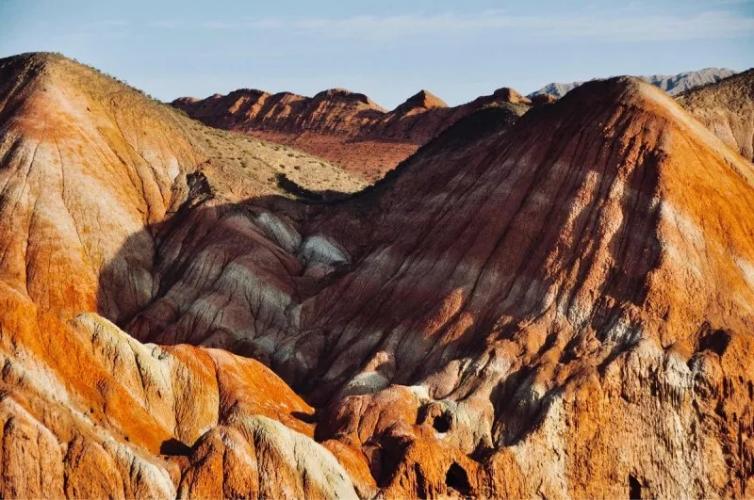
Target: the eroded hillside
(345, 127)
(555, 305)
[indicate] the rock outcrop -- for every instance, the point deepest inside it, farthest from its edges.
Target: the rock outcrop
(555, 305)
(727, 109)
(344, 127)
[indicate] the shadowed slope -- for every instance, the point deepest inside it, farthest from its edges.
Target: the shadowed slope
(573, 213)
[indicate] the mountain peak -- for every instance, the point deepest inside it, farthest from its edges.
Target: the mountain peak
(510, 95)
(23, 67)
(424, 99)
(256, 93)
(626, 90)
(345, 96)
(726, 107)
(37, 57)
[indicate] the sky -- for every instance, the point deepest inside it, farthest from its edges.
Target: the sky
(387, 49)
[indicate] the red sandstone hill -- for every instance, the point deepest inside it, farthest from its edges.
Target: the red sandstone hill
(556, 305)
(344, 127)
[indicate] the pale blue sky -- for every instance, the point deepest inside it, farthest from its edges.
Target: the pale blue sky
(387, 49)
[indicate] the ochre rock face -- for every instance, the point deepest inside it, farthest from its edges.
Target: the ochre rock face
(341, 126)
(555, 305)
(727, 109)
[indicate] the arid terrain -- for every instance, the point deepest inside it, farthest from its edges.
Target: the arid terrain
(344, 127)
(550, 299)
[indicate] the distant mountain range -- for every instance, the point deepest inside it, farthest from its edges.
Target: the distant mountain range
(672, 84)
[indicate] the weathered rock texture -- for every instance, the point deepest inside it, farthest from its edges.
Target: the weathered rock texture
(555, 305)
(727, 109)
(342, 126)
(672, 84)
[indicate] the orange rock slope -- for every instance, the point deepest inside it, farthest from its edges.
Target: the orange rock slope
(557, 305)
(342, 126)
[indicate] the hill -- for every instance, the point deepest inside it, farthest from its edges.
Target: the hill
(86, 162)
